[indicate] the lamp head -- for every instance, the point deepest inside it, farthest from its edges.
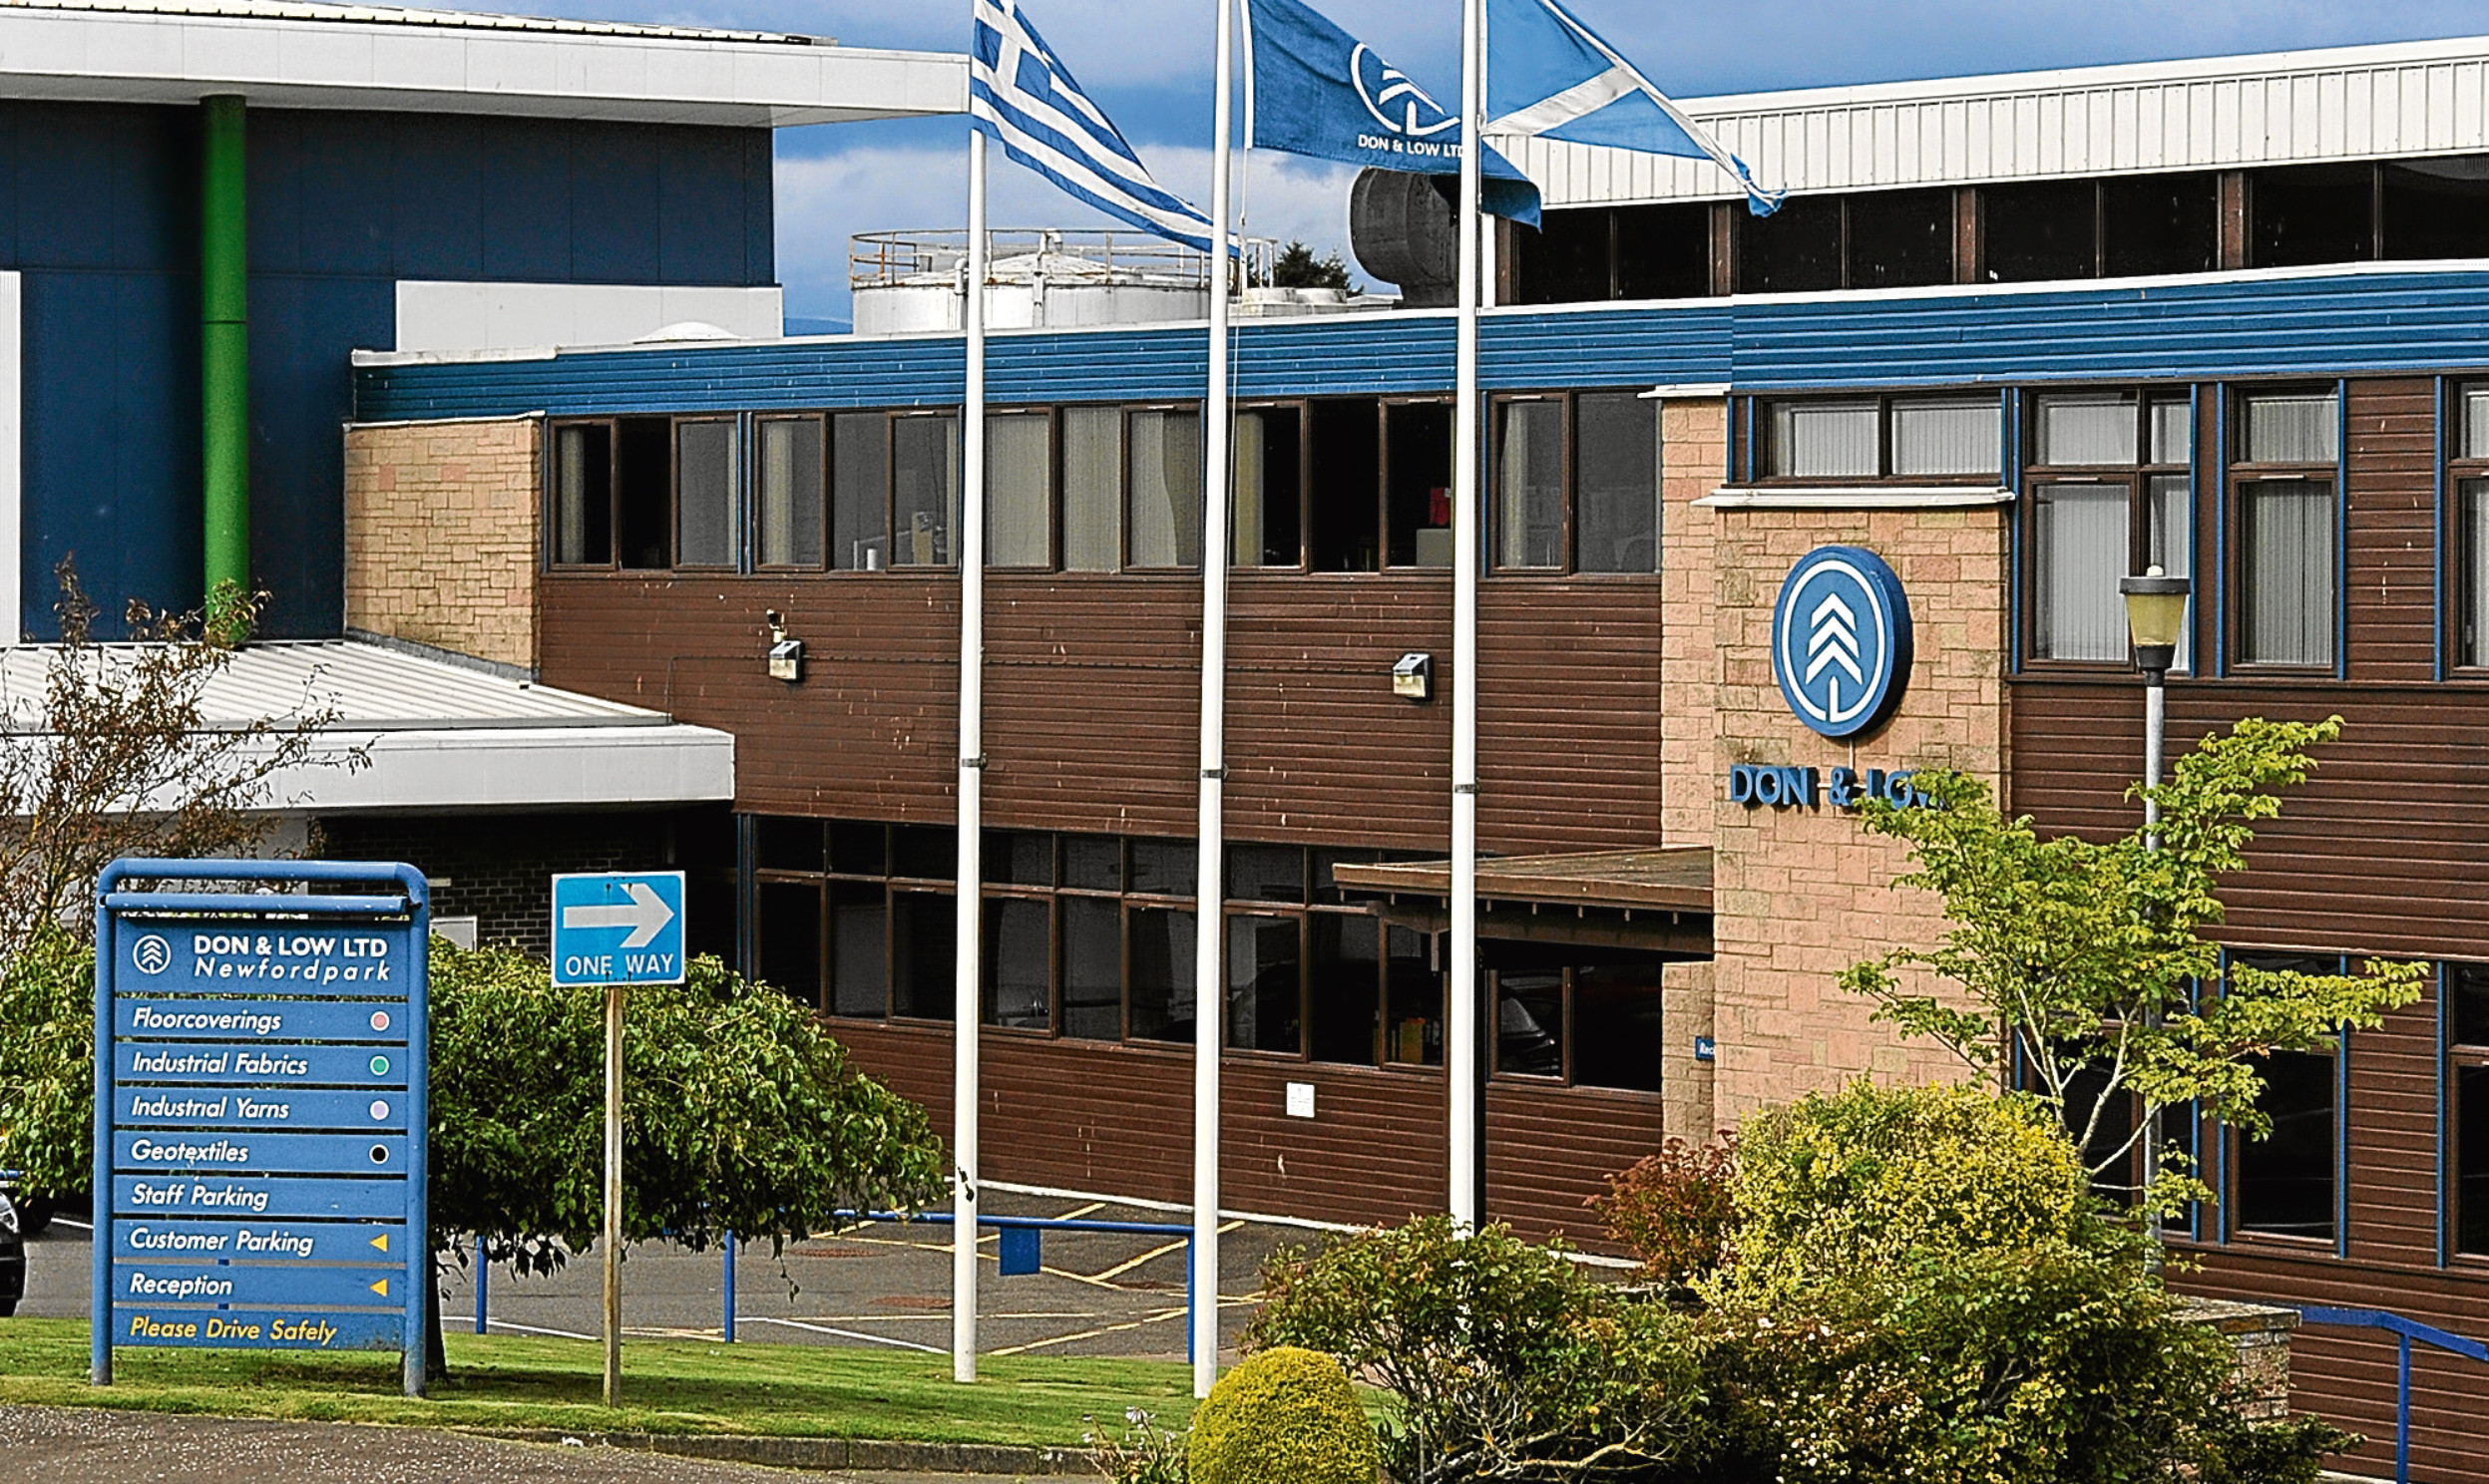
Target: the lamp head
(2156, 615)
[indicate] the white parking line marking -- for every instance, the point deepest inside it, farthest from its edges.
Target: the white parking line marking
(905, 1344)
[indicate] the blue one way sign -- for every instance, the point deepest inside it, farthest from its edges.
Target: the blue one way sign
(618, 928)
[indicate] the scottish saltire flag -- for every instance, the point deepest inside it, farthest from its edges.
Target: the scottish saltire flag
(1023, 96)
(1313, 89)
(1550, 76)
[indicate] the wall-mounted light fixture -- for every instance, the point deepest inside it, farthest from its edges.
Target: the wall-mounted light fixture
(1413, 677)
(786, 656)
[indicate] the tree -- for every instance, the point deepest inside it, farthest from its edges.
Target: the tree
(2087, 963)
(740, 1114)
(1298, 267)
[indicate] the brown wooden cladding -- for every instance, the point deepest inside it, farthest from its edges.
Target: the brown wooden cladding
(1375, 1152)
(2390, 537)
(1092, 699)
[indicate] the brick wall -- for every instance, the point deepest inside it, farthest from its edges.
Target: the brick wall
(1799, 892)
(441, 536)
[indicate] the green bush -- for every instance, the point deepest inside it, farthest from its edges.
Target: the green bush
(47, 1065)
(1284, 1416)
(1674, 1210)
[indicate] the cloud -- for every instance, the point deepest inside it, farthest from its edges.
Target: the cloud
(824, 200)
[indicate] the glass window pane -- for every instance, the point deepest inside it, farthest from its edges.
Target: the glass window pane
(925, 488)
(1901, 238)
(2286, 565)
(1268, 529)
(1416, 479)
(705, 485)
(1795, 249)
(859, 849)
(783, 844)
(859, 949)
(2085, 428)
(1529, 484)
(2041, 229)
(1093, 969)
(582, 502)
(790, 937)
(1617, 1030)
(1345, 441)
(1822, 439)
(1165, 868)
(924, 948)
(1263, 1009)
(2285, 1181)
(1162, 489)
(2169, 543)
(1018, 858)
(1161, 973)
(2472, 574)
(1413, 1000)
(860, 492)
(1342, 988)
(2467, 989)
(1020, 478)
(643, 493)
(1019, 962)
(1092, 489)
(1530, 1023)
(2173, 430)
(1327, 886)
(1094, 863)
(1616, 483)
(2471, 1160)
(1958, 435)
(2312, 214)
(2160, 223)
(2475, 423)
(2291, 428)
(2078, 553)
(926, 852)
(790, 492)
(1265, 873)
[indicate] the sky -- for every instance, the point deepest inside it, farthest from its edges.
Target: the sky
(1148, 64)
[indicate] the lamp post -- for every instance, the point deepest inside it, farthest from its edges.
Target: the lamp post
(2156, 615)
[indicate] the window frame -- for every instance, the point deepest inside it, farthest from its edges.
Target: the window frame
(760, 422)
(1383, 566)
(1760, 452)
(1491, 486)
(2457, 578)
(2237, 473)
(1053, 522)
(890, 483)
(2137, 479)
(550, 483)
(1125, 564)
(739, 513)
(1302, 408)
(2233, 1141)
(1569, 1079)
(2457, 1057)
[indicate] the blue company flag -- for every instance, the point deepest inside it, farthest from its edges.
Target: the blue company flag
(1316, 90)
(1552, 77)
(1022, 95)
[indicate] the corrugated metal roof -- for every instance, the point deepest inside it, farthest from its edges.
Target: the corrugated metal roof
(391, 15)
(371, 689)
(2346, 102)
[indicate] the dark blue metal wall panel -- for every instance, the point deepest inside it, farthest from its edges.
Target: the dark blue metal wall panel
(98, 207)
(2314, 324)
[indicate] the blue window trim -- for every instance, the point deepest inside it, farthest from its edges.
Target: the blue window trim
(2220, 454)
(748, 492)
(2437, 571)
(2341, 528)
(2444, 1162)
(2011, 424)
(2341, 1141)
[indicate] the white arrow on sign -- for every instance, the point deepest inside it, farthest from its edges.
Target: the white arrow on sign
(645, 915)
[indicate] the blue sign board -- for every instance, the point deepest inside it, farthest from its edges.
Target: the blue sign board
(259, 1067)
(1840, 640)
(618, 928)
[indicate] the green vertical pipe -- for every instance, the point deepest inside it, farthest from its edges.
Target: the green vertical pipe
(225, 348)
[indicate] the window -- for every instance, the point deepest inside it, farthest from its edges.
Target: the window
(2435, 207)
(2284, 1184)
(860, 492)
(707, 486)
(2466, 988)
(2122, 227)
(2110, 496)
(1345, 441)
(643, 493)
(1944, 438)
(1580, 1017)
(1162, 489)
(2312, 214)
(1874, 240)
(583, 495)
(1265, 982)
(795, 493)
(2467, 545)
(1092, 489)
(925, 487)
(1585, 254)
(1269, 500)
(1588, 502)
(1417, 482)
(1020, 487)
(2284, 508)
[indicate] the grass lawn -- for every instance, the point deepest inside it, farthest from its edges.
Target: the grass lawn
(668, 1386)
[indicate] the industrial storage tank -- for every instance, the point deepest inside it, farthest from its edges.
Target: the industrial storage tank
(916, 281)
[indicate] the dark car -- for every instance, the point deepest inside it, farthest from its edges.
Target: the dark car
(12, 1258)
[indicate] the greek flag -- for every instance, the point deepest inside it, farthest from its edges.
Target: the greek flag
(1022, 95)
(1550, 76)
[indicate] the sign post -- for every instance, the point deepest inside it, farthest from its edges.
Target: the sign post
(614, 930)
(259, 1110)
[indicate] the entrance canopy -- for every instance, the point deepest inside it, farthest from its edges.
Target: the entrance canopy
(1658, 898)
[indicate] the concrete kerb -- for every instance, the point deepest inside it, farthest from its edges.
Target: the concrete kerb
(820, 1454)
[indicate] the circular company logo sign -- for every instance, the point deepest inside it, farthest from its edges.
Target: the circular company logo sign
(152, 953)
(1395, 99)
(1840, 640)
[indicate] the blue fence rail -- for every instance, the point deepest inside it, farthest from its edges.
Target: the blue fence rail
(2405, 1331)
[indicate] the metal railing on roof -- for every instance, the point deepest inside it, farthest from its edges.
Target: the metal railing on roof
(2405, 1331)
(876, 260)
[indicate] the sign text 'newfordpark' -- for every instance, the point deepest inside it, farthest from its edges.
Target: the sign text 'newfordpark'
(259, 1082)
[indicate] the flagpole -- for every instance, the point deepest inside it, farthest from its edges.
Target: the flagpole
(1462, 1039)
(1209, 928)
(968, 905)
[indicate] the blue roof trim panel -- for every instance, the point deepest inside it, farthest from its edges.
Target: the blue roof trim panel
(2323, 322)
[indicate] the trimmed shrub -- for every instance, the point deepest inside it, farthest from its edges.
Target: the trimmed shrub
(1283, 1416)
(1674, 1210)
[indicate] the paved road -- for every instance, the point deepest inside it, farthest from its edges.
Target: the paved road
(882, 1286)
(96, 1447)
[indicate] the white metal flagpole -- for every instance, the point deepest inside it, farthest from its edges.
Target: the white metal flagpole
(966, 1006)
(1209, 926)
(1462, 1036)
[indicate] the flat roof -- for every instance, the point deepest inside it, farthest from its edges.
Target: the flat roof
(1674, 878)
(285, 53)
